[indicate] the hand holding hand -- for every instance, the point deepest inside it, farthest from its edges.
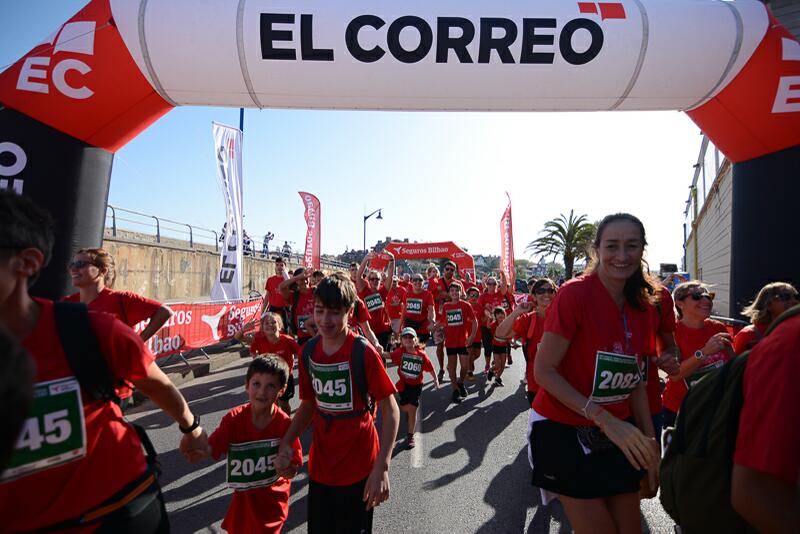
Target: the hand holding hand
(670, 361)
(376, 490)
(194, 445)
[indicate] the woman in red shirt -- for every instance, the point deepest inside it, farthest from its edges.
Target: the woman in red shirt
(300, 296)
(591, 435)
(705, 344)
(772, 300)
(493, 296)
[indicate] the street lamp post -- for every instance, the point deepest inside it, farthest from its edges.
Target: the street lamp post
(378, 211)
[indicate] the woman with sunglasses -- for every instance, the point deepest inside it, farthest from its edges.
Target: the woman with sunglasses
(375, 295)
(494, 295)
(297, 291)
(591, 436)
(526, 322)
(772, 300)
(705, 344)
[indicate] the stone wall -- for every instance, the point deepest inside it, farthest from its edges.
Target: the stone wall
(171, 271)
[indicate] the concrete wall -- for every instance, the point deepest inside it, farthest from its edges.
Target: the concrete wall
(708, 247)
(173, 272)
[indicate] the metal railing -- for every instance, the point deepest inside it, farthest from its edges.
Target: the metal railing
(141, 222)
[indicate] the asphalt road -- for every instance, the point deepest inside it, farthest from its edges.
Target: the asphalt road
(468, 473)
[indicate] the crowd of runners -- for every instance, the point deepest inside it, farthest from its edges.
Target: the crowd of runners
(612, 359)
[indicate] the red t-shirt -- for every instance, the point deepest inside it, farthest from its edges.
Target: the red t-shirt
(416, 306)
(690, 340)
(585, 314)
(286, 347)
(748, 336)
(304, 312)
(276, 300)
(265, 508)
(663, 320)
(410, 367)
(128, 307)
(64, 491)
(467, 285)
(394, 302)
(458, 318)
(359, 315)
(343, 450)
(488, 302)
(375, 302)
(769, 425)
(530, 327)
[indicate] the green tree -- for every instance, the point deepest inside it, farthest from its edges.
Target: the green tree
(568, 237)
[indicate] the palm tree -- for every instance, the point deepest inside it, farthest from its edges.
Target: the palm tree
(569, 237)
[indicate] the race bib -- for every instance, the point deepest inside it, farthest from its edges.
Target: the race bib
(414, 306)
(411, 366)
(332, 386)
(374, 302)
(55, 431)
(615, 377)
(251, 464)
(455, 318)
(301, 322)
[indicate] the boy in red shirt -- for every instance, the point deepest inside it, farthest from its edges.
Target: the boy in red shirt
(411, 362)
(500, 349)
(348, 467)
(249, 436)
(460, 328)
(274, 299)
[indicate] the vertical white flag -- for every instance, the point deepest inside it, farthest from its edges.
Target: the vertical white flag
(228, 149)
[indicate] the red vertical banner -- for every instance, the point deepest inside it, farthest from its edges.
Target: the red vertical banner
(313, 222)
(507, 247)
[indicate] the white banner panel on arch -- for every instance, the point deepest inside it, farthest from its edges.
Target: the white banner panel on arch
(547, 55)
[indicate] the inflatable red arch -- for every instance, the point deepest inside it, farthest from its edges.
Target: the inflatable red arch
(426, 251)
(118, 65)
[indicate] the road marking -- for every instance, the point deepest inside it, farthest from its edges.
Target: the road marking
(416, 452)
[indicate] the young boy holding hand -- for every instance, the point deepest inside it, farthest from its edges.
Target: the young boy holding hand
(348, 467)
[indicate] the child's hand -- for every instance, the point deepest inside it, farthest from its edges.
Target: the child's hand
(283, 463)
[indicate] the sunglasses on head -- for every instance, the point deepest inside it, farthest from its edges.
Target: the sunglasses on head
(699, 295)
(79, 264)
(786, 297)
(543, 290)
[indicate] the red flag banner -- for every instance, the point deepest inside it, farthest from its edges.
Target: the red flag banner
(311, 257)
(193, 326)
(507, 247)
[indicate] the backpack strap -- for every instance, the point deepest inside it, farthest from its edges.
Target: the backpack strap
(83, 351)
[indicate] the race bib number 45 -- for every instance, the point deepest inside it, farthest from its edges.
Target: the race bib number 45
(454, 318)
(374, 302)
(414, 306)
(332, 386)
(55, 431)
(251, 464)
(615, 377)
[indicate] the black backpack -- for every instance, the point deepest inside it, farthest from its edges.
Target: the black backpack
(697, 465)
(359, 375)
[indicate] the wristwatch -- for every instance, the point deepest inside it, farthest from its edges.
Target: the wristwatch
(190, 429)
(699, 354)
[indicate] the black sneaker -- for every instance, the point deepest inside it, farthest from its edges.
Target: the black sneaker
(462, 389)
(456, 396)
(509, 361)
(489, 375)
(441, 375)
(498, 381)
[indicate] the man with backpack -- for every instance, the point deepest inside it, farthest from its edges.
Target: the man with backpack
(77, 464)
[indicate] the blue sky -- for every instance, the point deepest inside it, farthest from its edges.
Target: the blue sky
(437, 176)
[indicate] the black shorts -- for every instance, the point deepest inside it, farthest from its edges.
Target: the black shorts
(561, 466)
(409, 395)
(499, 349)
(486, 339)
(338, 508)
(476, 345)
(289, 393)
(453, 351)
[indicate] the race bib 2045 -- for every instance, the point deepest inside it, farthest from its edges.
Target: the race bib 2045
(411, 366)
(332, 385)
(251, 464)
(55, 431)
(414, 306)
(455, 318)
(615, 377)
(374, 302)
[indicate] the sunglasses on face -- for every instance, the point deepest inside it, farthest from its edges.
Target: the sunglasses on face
(491, 284)
(786, 297)
(472, 295)
(449, 269)
(416, 281)
(543, 290)
(79, 264)
(700, 295)
(373, 279)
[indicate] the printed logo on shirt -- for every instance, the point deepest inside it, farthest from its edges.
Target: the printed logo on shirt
(455, 318)
(414, 306)
(374, 302)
